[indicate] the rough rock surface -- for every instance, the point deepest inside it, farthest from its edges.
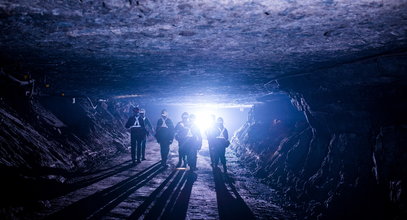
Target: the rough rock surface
(160, 48)
(346, 161)
(58, 134)
(44, 140)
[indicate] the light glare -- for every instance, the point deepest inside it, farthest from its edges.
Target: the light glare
(203, 120)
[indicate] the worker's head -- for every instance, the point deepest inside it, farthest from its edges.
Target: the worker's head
(136, 110)
(185, 116)
(142, 112)
(164, 113)
(219, 121)
(192, 118)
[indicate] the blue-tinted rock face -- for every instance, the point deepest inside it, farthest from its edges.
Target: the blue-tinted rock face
(232, 48)
(348, 156)
(52, 132)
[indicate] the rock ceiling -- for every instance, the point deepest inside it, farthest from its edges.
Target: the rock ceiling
(210, 50)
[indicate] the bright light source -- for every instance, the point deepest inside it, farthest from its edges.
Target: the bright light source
(203, 120)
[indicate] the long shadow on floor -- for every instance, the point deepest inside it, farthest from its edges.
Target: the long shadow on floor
(101, 202)
(171, 203)
(230, 203)
(180, 208)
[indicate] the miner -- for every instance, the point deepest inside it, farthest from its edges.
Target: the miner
(164, 135)
(220, 142)
(137, 134)
(149, 130)
(193, 142)
(181, 132)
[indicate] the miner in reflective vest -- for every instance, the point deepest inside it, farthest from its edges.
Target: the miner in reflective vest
(193, 143)
(164, 135)
(221, 142)
(181, 132)
(137, 134)
(149, 130)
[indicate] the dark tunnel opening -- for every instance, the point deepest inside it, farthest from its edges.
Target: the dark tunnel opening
(311, 93)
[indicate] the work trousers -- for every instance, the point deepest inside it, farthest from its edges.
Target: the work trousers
(165, 149)
(182, 153)
(219, 155)
(136, 148)
(211, 152)
(192, 157)
(219, 151)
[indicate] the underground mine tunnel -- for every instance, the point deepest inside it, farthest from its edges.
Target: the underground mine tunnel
(312, 95)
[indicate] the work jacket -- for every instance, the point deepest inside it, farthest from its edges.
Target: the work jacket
(137, 127)
(219, 136)
(164, 131)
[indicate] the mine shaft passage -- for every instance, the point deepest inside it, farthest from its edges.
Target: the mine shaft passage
(203, 109)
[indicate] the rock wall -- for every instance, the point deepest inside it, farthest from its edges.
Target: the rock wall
(53, 132)
(45, 139)
(348, 161)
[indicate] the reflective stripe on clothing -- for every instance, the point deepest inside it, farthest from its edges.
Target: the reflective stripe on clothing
(221, 135)
(164, 125)
(136, 123)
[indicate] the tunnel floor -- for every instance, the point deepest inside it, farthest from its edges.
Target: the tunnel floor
(148, 191)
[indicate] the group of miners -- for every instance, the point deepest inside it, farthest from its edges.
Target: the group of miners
(186, 132)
